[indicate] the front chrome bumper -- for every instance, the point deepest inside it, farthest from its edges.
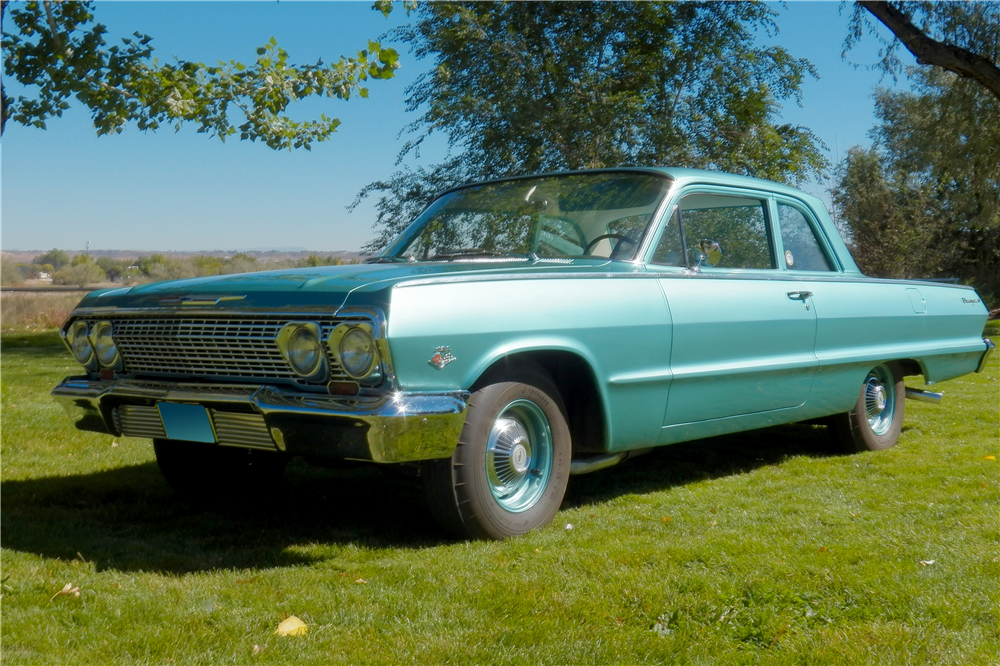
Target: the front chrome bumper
(399, 427)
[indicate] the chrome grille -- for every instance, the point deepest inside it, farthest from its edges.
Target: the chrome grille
(231, 428)
(240, 429)
(218, 346)
(139, 421)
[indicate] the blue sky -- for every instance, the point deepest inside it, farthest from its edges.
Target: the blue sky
(65, 186)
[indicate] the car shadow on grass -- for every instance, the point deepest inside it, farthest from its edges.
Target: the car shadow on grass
(128, 519)
(700, 460)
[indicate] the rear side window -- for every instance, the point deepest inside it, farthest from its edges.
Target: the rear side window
(803, 251)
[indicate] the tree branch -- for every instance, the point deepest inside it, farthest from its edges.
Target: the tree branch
(55, 30)
(929, 51)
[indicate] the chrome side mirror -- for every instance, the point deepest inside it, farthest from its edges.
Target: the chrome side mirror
(709, 252)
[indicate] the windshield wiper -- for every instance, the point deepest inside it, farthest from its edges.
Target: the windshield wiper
(479, 252)
(388, 260)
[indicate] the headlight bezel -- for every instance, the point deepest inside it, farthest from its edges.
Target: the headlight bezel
(371, 369)
(320, 370)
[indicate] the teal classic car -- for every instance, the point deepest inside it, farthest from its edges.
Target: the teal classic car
(520, 331)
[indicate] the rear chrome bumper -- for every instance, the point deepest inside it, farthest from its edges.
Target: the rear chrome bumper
(398, 427)
(986, 355)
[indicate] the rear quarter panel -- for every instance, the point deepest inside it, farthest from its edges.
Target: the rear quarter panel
(861, 323)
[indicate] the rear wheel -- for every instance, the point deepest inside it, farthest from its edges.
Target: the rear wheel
(877, 418)
(509, 472)
(206, 473)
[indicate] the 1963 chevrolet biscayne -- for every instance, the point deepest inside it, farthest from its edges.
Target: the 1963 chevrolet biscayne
(520, 331)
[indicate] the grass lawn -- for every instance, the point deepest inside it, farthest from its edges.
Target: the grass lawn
(761, 548)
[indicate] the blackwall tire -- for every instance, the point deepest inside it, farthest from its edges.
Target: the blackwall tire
(877, 418)
(509, 472)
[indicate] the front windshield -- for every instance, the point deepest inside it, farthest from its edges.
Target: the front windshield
(588, 215)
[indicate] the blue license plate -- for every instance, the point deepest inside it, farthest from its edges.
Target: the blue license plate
(186, 422)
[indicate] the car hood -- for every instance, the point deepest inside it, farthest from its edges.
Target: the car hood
(323, 287)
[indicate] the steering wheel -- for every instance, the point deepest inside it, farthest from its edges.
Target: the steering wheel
(614, 252)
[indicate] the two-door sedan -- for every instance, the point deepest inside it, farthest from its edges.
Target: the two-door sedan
(520, 331)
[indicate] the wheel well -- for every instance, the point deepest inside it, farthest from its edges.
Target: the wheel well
(908, 367)
(577, 388)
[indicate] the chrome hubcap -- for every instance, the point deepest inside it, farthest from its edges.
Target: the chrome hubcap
(880, 399)
(519, 456)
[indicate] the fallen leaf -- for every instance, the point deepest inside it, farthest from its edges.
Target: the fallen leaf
(569, 526)
(361, 581)
(291, 626)
(822, 549)
(68, 590)
(256, 650)
(926, 563)
(989, 457)
(665, 519)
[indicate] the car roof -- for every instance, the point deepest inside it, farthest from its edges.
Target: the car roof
(682, 176)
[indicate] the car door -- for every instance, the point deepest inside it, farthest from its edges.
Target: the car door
(743, 329)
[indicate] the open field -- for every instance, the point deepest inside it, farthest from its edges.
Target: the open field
(36, 311)
(753, 548)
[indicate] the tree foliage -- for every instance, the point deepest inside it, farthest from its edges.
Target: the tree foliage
(57, 51)
(530, 87)
(925, 200)
(950, 35)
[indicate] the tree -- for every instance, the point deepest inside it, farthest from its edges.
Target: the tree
(527, 87)
(82, 271)
(925, 200)
(56, 257)
(958, 27)
(57, 50)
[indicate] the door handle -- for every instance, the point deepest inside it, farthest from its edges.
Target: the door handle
(799, 295)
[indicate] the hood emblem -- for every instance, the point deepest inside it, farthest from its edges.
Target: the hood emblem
(198, 300)
(442, 357)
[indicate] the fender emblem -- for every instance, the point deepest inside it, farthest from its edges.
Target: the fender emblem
(442, 357)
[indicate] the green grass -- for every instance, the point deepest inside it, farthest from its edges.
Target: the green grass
(756, 548)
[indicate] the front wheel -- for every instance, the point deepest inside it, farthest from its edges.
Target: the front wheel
(877, 418)
(509, 471)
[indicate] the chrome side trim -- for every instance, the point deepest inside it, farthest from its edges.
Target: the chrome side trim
(986, 355)
(923, 396)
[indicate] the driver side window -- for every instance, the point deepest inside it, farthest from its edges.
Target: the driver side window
(737, 224)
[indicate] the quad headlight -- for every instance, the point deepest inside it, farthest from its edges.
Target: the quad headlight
(104, 344)
(78, 339)
(354, 346)
(300, 344)
(357, 352)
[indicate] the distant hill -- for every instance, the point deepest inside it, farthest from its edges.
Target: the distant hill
(264, 256)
